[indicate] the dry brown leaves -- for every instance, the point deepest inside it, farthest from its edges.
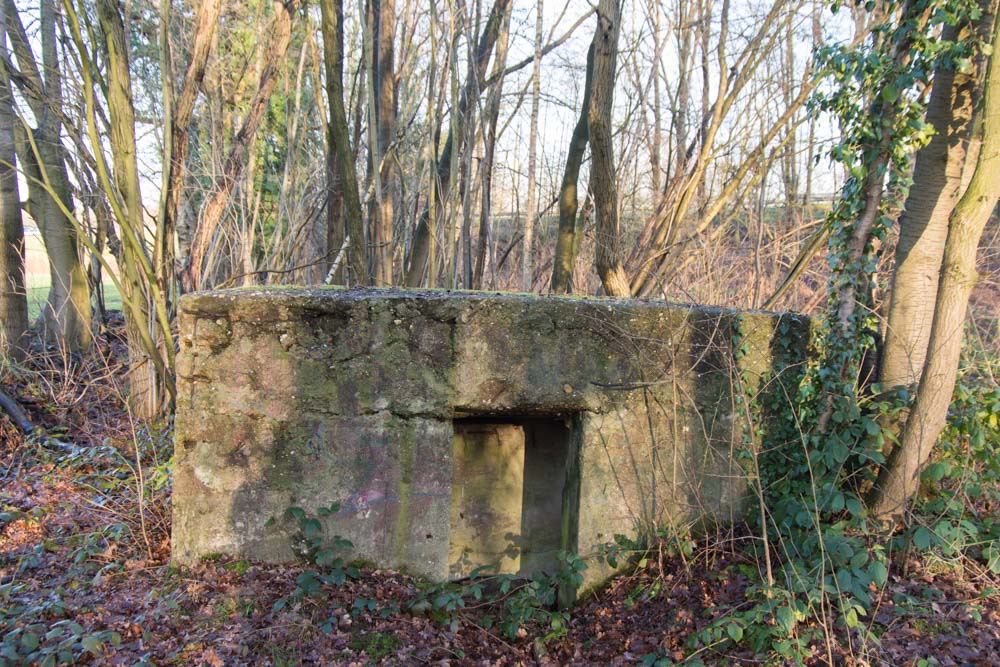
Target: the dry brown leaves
(220, 613)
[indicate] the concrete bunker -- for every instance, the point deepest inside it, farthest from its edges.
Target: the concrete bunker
(458, 430)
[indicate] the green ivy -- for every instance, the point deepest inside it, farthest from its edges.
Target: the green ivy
(45, 633)
(813, 440)
(957, 513)
(315, 547)
(516, 601)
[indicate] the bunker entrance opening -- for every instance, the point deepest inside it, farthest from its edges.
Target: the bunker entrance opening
(508, 488)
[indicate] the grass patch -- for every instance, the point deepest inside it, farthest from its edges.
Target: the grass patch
(38, 292)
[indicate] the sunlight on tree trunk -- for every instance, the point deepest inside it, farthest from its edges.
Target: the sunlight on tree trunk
(419, 251)
(943, 169)
(901, 477)
(569, 200)
(66, 316)
(178, 115)
(385, 86)
(603, 186)
(338, 142)
(491, 113)
(527, 269)
(13, 299)
(150, 343)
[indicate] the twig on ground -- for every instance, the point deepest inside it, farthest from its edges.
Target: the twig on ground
(17, 413)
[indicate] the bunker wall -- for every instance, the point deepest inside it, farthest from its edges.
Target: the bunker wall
(459, 429)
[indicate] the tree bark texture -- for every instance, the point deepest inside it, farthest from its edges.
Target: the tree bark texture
(385, 94)
(340, 158)
(13, 298)
(942, 172)
(491, 114)
(144, 399)
(603, 186)
(179, 114)
(900, 478)
(417, 265)
(66, 316)
(569, 201)
(527, 271)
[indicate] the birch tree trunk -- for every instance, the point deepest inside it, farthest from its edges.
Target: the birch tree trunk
(527, 274)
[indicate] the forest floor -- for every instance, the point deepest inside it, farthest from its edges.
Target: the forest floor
(85, 575)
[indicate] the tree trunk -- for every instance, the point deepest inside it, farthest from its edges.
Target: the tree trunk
(177, 123)
(433, 190)
(150, 346)
(789, 166)
(900, 478)
(527, 273)
(421, 235)
(457, 124)
(491, 113)
(13, 298)
(338, 141)
(686, 30)
(467, 177)
(656, 149)
(943, 169)
(384, 84)
(66, 317)
(608, 254)
(335, 219)
(565, 254)
(196, 269)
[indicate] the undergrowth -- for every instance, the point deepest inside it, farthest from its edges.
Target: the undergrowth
(486, 599)
(814, 442)
(956, 516)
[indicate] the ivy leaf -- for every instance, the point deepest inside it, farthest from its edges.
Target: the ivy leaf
(92, 644)
(854, 506)
(837, 502)
(878, 573)
(936, 471)
(785, 619)
(923, 538)
(310, 526)
(890, 93)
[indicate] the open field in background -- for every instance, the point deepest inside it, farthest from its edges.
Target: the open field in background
(36, 279)
(38, 291)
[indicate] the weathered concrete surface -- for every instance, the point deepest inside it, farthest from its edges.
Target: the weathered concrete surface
(295, 397)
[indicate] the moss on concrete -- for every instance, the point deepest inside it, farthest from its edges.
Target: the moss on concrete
(309, 396)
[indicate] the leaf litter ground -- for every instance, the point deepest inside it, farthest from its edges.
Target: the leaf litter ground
(85, 572)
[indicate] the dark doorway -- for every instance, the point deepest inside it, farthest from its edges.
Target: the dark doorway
(508, 483)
